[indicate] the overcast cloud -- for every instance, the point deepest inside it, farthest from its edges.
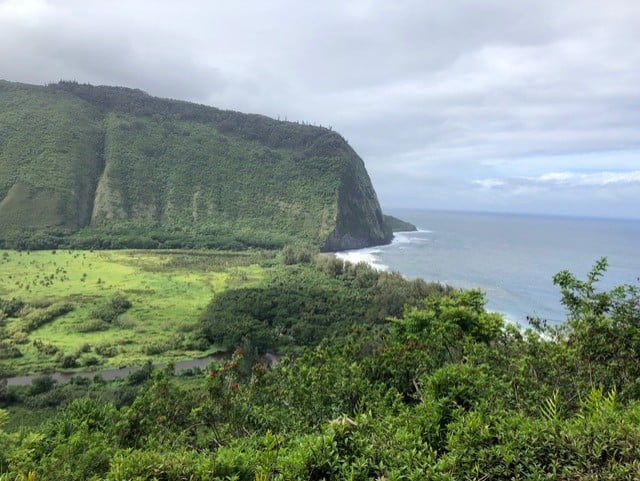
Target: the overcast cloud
(495, 105)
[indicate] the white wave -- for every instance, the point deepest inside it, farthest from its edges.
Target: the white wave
(401, 238)
(368, 256)
(410, 237)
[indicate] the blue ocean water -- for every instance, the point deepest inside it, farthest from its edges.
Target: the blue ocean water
(511, 257)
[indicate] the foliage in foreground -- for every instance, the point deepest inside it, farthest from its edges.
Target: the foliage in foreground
(446, 392)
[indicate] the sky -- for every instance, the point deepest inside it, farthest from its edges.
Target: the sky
(496, 105)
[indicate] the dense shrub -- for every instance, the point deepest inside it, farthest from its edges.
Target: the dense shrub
(42, 384)
(40, 317)
(11, 307)
(9, 351)
(109, 311)
(301, 304)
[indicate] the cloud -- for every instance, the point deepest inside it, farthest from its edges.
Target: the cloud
(433, 95)
(591, 179)
(564, 179)
(602, 193)
(490, 183)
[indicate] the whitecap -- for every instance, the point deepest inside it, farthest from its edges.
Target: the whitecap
(368, 256)
(409, 237)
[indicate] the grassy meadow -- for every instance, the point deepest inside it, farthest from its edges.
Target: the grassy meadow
(80, 309)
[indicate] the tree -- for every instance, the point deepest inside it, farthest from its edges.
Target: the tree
(603, 327)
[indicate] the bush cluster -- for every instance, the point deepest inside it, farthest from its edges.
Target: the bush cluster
(109, 311)
(300, 304)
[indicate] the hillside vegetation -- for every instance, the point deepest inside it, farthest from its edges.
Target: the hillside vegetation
(443, 391)
(109, 167)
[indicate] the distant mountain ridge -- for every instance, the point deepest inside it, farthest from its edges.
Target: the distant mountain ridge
(110, 167)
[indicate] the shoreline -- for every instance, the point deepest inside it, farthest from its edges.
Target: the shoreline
(368, 256)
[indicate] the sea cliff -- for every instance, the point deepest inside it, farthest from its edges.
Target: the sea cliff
(109, 167)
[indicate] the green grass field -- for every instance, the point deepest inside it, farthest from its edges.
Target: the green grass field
(167, 291)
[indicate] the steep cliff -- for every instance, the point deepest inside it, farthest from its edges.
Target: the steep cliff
(114, 167)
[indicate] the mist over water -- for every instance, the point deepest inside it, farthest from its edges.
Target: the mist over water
(513, 258)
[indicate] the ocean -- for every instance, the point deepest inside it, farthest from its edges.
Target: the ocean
(511, 257)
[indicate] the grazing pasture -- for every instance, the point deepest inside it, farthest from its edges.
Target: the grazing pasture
(78, 309)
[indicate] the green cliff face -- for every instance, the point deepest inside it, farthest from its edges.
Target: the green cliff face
(115, 167)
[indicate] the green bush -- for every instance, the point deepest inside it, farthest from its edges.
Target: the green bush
(175, 464)
(109, 311)
(42, 384)
(106, 350)
(9, 351)
(40, 317)
(11, 307)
